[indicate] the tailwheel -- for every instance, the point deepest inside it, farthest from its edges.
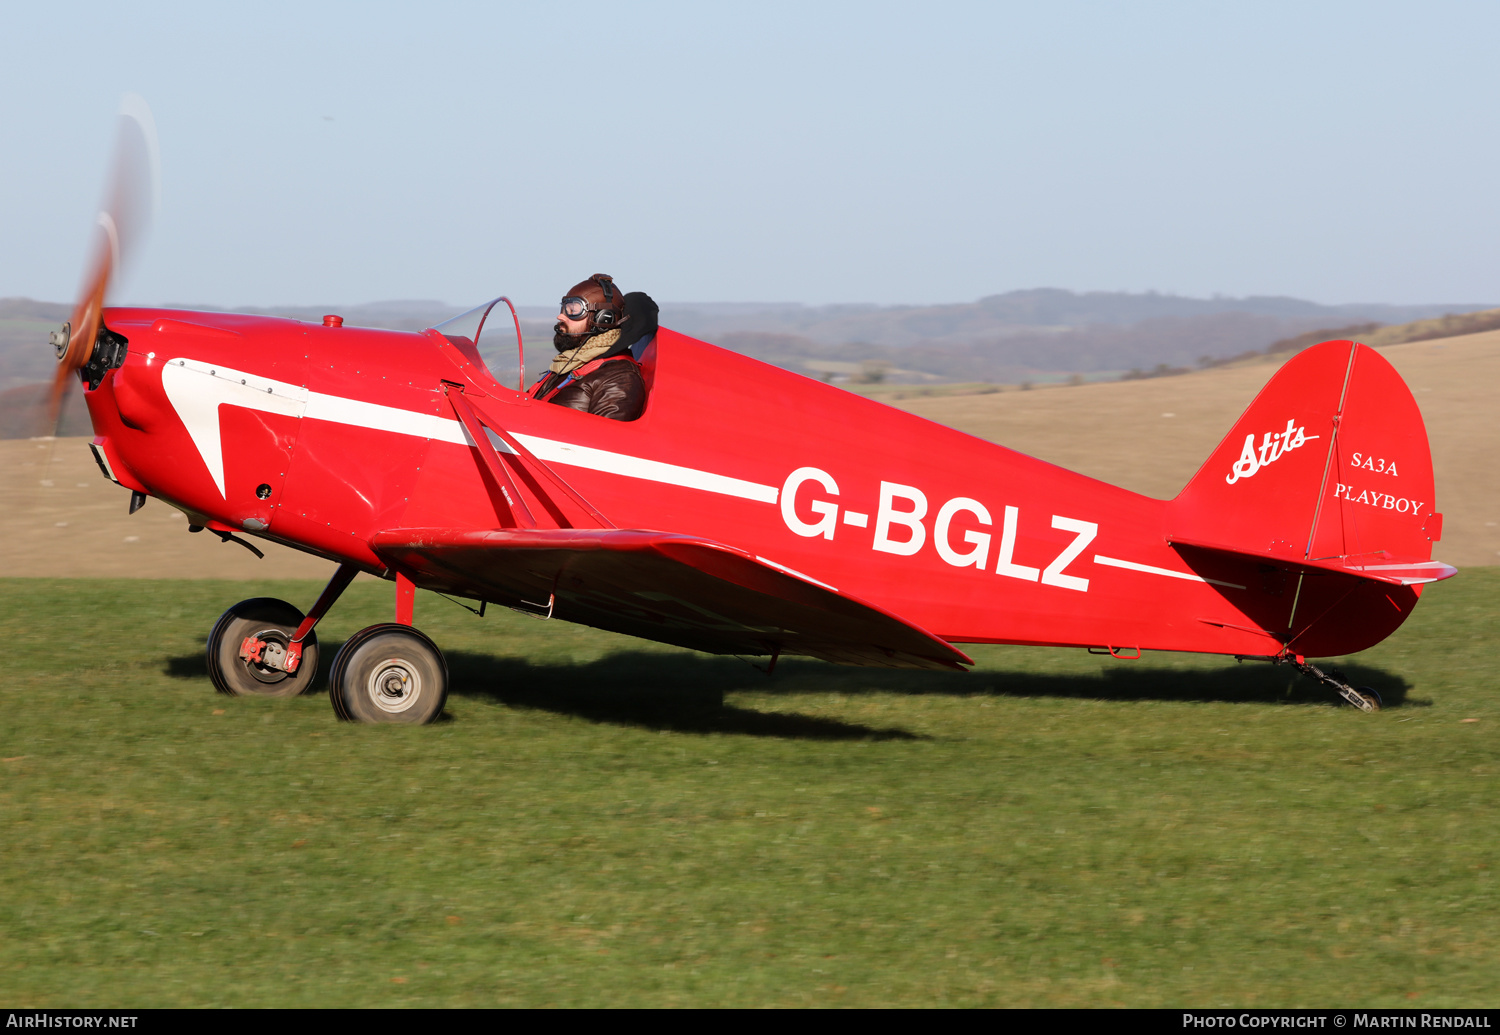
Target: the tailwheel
(247, 650)
(1365, 698)
(389, 673)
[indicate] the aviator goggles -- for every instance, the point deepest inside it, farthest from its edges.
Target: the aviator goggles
(575, 308)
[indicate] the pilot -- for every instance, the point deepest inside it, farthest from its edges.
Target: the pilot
(598, 336)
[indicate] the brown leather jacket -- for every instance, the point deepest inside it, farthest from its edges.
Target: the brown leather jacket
(614, 389)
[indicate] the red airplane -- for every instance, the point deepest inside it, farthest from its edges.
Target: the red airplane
(748, 511)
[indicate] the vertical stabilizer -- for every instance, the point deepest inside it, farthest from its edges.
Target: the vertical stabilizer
(1329, 466)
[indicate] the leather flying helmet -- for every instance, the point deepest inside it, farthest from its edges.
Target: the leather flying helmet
(598, 299)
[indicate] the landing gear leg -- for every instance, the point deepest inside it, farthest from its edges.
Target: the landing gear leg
(326, 599)
(406, 598)
(1364, 698)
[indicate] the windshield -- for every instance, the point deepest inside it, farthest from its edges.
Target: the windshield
(467, 330)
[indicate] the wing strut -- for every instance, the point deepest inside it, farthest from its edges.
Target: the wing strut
(471, 415)
(520, 513)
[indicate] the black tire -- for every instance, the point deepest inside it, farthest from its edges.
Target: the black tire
(389, 673)
(265, 618)
(1370, 697)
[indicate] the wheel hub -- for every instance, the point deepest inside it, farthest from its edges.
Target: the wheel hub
(265, 663)
(394, 685)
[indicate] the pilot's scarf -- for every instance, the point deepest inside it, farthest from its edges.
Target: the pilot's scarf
(592, 349)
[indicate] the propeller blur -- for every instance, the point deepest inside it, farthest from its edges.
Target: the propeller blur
(131, 196)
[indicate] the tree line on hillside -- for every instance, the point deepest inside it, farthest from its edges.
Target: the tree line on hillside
(1164, 343)
(1449, 325)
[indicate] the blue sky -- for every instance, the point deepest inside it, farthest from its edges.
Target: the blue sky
(893, 153)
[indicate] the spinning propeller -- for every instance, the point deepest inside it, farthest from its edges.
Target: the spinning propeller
(130, 199)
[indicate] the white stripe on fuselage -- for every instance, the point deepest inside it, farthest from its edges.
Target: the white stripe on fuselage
(197, 390)
(1151, 569)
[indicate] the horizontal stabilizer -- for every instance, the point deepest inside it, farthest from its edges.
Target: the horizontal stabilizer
(671, 588)
(1380, 566)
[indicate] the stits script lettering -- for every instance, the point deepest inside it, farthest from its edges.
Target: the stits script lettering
(1272, 447)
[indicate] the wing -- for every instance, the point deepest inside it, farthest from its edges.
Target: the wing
(676, 589)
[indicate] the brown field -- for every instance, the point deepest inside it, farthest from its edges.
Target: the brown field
(61, 518)
(1151, 436)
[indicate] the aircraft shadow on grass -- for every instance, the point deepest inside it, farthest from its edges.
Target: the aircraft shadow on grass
(686, 692)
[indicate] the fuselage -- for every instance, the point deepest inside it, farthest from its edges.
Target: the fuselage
(320, 437)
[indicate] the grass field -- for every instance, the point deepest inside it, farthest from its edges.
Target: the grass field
(602, 821)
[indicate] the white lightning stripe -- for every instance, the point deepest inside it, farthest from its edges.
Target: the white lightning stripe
(197, 390)
(794, 571)
(1396, 567)
(356, 413)
(648, 470)
(1115, 562)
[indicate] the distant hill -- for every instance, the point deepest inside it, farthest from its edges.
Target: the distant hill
(1030, 313)
(1094, 350)
(1039, 335)
(25, 356)
(1045, 334)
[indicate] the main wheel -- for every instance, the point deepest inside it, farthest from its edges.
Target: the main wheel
(264, 618)
(389, 673)
(1370, 697)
